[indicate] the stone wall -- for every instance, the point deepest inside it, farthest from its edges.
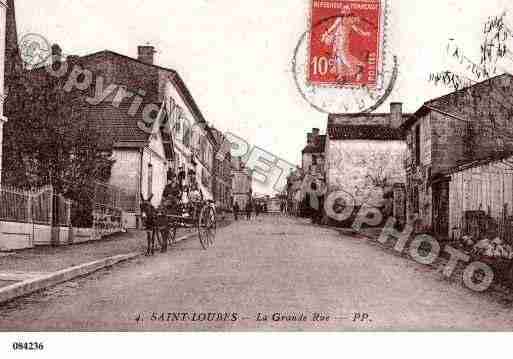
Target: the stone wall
(355, 166)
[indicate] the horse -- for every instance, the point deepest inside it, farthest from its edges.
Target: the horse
(151, 225)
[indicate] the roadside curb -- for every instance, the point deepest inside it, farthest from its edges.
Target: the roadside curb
(33, 285)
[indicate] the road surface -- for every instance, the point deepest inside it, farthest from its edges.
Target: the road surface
(273, 273)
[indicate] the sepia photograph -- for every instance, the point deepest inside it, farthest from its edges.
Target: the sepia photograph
(341, 166)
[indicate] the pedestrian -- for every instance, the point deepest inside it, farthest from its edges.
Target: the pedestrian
(236, 210)
(249, 209)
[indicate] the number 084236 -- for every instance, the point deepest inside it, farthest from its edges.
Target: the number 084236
(27, 346)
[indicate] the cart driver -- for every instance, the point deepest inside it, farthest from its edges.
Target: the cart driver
(172, 193)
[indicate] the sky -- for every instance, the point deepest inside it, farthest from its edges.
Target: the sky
(235, 55)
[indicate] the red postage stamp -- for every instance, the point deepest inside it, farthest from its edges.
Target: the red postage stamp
(346, 42)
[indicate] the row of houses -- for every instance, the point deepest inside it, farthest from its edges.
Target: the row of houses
(441, 167)
(117, 95)
(179, 139)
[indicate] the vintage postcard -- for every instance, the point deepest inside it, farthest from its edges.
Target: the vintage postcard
(255, 166)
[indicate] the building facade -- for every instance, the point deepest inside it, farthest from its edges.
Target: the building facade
(242, 180)
(467, 126)
(222, 185)
(193, 139)
(365, 155)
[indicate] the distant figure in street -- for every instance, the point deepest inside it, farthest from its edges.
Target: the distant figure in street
(257, 209)
(249, 209)
(236, 210)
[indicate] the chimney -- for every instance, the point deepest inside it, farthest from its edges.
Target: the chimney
(56, 54)
(146, 54)
(396, 114)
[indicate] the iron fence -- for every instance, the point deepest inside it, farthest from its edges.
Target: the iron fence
(114, 197)
(34, 206)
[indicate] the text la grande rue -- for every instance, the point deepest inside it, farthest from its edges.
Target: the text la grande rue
(292, 317)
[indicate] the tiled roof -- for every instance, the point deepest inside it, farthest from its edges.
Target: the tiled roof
(364, 132)
(115, 122)
(118, 127)
(363, 119)
(318, 146)
(486, 99)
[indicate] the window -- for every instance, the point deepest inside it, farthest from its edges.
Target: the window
(417, 145)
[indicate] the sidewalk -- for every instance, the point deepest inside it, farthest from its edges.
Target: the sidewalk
(34, 262)
(46, 258)
(499, 289)
(33, 269)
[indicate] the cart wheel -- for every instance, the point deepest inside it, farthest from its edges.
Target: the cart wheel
(207, 226)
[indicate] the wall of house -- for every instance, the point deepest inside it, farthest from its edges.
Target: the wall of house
(444, 145)
(125, 170)
(154, 158)
(488, 107)
(419, 201)
(353, 164)
(188, 134)
(450, 143)
(488, 188)
(128, 174)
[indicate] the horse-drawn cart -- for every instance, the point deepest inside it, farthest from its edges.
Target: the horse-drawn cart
(162, 223)
(199, 216)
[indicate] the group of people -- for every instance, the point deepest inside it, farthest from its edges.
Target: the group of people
(181, 189)
(248, 210)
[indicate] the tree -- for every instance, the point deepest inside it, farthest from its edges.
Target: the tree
(48, 141)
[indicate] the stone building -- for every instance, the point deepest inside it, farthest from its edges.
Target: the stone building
(444, 137)
(365, 155)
